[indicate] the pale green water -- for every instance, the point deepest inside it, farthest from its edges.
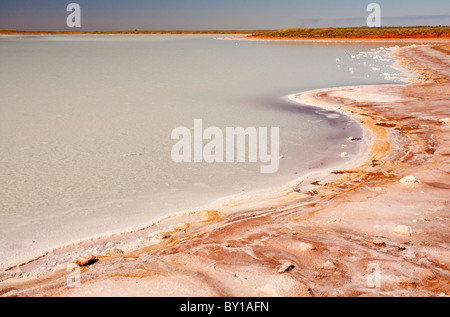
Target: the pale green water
(85, 125)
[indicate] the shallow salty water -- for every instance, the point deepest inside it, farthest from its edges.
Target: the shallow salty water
(86, 122)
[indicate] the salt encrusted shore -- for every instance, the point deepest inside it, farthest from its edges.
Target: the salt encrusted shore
(378, 228)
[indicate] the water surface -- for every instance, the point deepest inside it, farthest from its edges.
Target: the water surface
(85, 125)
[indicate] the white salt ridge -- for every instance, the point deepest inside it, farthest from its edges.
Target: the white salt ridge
(375, 59)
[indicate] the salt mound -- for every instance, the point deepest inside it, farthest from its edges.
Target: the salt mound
(403, 230)
(410, 179)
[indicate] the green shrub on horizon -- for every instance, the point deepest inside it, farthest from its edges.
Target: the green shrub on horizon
(358, 31)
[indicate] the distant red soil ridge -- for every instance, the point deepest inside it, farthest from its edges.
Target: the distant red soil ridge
(419, 32)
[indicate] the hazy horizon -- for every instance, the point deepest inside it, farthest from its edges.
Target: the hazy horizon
(100, 15)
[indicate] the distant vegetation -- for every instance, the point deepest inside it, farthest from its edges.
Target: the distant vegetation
(359, 32)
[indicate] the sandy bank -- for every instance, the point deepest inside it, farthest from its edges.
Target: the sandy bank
(358, 231)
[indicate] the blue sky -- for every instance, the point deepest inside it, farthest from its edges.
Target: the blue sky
(217, 15)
